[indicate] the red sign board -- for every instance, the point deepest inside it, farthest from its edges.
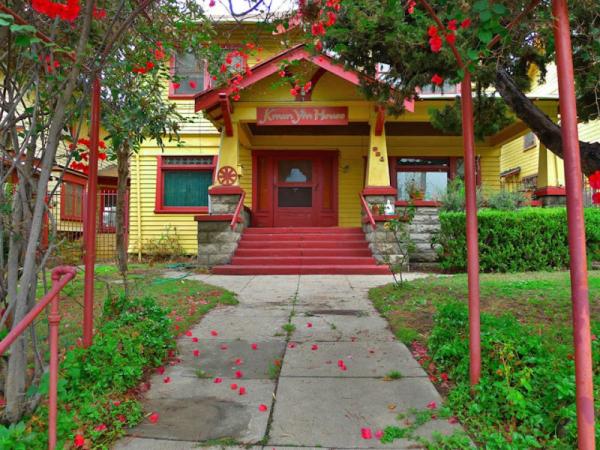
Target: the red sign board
(302, 115)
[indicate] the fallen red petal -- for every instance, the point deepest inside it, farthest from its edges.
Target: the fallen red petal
(239, 362)
(194, 339)
(167, 379)
(242, 390)
(379, 434)
(366, 433)
(431, 405)
(196, 353)
(254, 346)
(309, 325)
(233, 386)
(262, 408)
(153, 418)
(218, 380)
(239, 374)
(214, 333)
(188, 333)
(315, 347)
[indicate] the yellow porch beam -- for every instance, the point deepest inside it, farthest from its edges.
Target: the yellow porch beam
(229, 151)
(378, 172)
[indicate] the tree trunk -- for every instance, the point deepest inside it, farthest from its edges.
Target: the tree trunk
(121, 231)
(545, 129)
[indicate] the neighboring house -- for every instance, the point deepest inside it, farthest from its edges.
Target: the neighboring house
(301, 162)
(528, 166)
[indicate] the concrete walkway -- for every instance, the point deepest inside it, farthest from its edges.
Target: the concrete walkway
(334, 351)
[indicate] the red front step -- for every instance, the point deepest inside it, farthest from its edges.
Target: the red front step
(302, 261)
(301, 244)
(312, 237)
(301, 270)
(303, 230)
(278, 252)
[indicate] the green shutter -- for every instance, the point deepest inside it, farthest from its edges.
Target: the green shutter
(186, 188)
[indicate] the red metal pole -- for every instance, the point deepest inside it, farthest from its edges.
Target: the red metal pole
(577, 249)
(53, 321)
(472, 234)
(89, 225)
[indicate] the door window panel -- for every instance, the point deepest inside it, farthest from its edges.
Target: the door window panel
(431, 184)
(295, 171)
(294, 197)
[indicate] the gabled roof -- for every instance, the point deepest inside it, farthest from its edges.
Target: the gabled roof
(211, 98)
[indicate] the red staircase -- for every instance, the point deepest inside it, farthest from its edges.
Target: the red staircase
(292, 251)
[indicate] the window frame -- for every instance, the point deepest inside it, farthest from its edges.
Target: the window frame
(533, 144)
(173, 95)
(103, 227)
(161, 168)
(450, 169)
(64, 214)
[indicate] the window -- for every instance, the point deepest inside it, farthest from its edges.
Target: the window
(425, 178)
(529, 141)
(108, 210)
(190, 76)
(71, 204)
(183, 182)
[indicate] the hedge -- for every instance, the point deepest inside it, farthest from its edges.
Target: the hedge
(528, 239)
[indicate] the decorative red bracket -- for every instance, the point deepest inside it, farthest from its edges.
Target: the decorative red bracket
(380, 121)
(226, 111)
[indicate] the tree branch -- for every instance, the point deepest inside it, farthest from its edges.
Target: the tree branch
(545, 129)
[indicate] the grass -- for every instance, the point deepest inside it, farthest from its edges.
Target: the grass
(393, 375)
(511, 407)
(188, 300)
(539, 299)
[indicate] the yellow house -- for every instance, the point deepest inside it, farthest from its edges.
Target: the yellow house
(314, 171)
(528, 166)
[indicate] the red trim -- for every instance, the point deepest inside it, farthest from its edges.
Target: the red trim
(226, 112)
(216, 218)
(432, 203)
(225, 190)
(159, 207)
(71, 179)
(313, 82)
(236, 215)
(368, 214)
(379, 190)
(380, 122)
(550, 190)
(208, 99)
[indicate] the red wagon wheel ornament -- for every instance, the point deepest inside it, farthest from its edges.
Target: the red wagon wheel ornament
(227, 176)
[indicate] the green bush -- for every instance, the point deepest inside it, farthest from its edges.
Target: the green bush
(514, 241)
(526, 397)
(136, 335)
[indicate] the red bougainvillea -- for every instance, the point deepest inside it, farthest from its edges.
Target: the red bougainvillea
(80, 154)
(65, 11)
(595, 185)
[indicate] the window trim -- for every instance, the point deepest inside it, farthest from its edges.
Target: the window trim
(533, 145)
(173, 94)
(63, 195)
(159, 207)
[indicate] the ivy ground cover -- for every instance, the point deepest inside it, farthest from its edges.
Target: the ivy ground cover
(526, 398)
(99, 387)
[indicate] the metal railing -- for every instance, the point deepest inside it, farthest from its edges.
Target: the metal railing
(238, 210)
(365, 207)
(60, 277)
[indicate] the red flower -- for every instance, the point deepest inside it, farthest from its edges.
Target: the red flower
(214, 333)
(319, 45)
(218, 380)
(196, 353)
(411, 6)
(233, 386)
(262, 408)
(153, 418)
(453, 420)
(596, 198)
(315, 347)
(98, 13)
(102, 156)
(167, 379)
(121, 418)
(239, 362)
(116, 402)
(100, 427)
(436, 43)
(254, 346)
(223, 68)
(239, 374)
(451, 39)
(465, 23)
(294, 92)
(242, 390)
(79, 440)
(432, 31)
(160, 370)
(282, 73)
(595, 180)
(309, 325)
(188, 333)
(437, 80)
(331, 18)
(453, 25)
(192, 84)
(317, 29)
(431, 405)
(379, 434)
(194, 339)
(212, 3)
(366, 433)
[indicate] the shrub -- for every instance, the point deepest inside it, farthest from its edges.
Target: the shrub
(505, 200)
(514, 241)
(136, 335)
(454, 198)
(526, 397)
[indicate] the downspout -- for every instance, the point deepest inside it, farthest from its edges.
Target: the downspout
(139, 206)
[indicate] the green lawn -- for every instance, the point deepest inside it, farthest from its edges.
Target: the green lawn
(526, 398)
(188, 300)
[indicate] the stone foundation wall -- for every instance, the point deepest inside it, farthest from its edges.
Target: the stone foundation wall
(381, 241)
(424, 225)
(217, 242)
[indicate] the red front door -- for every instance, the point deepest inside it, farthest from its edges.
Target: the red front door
(295, 189)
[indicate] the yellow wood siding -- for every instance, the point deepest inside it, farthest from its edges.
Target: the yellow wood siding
(351, 172)
(515, 155)
(154, 226)
(590, 132)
